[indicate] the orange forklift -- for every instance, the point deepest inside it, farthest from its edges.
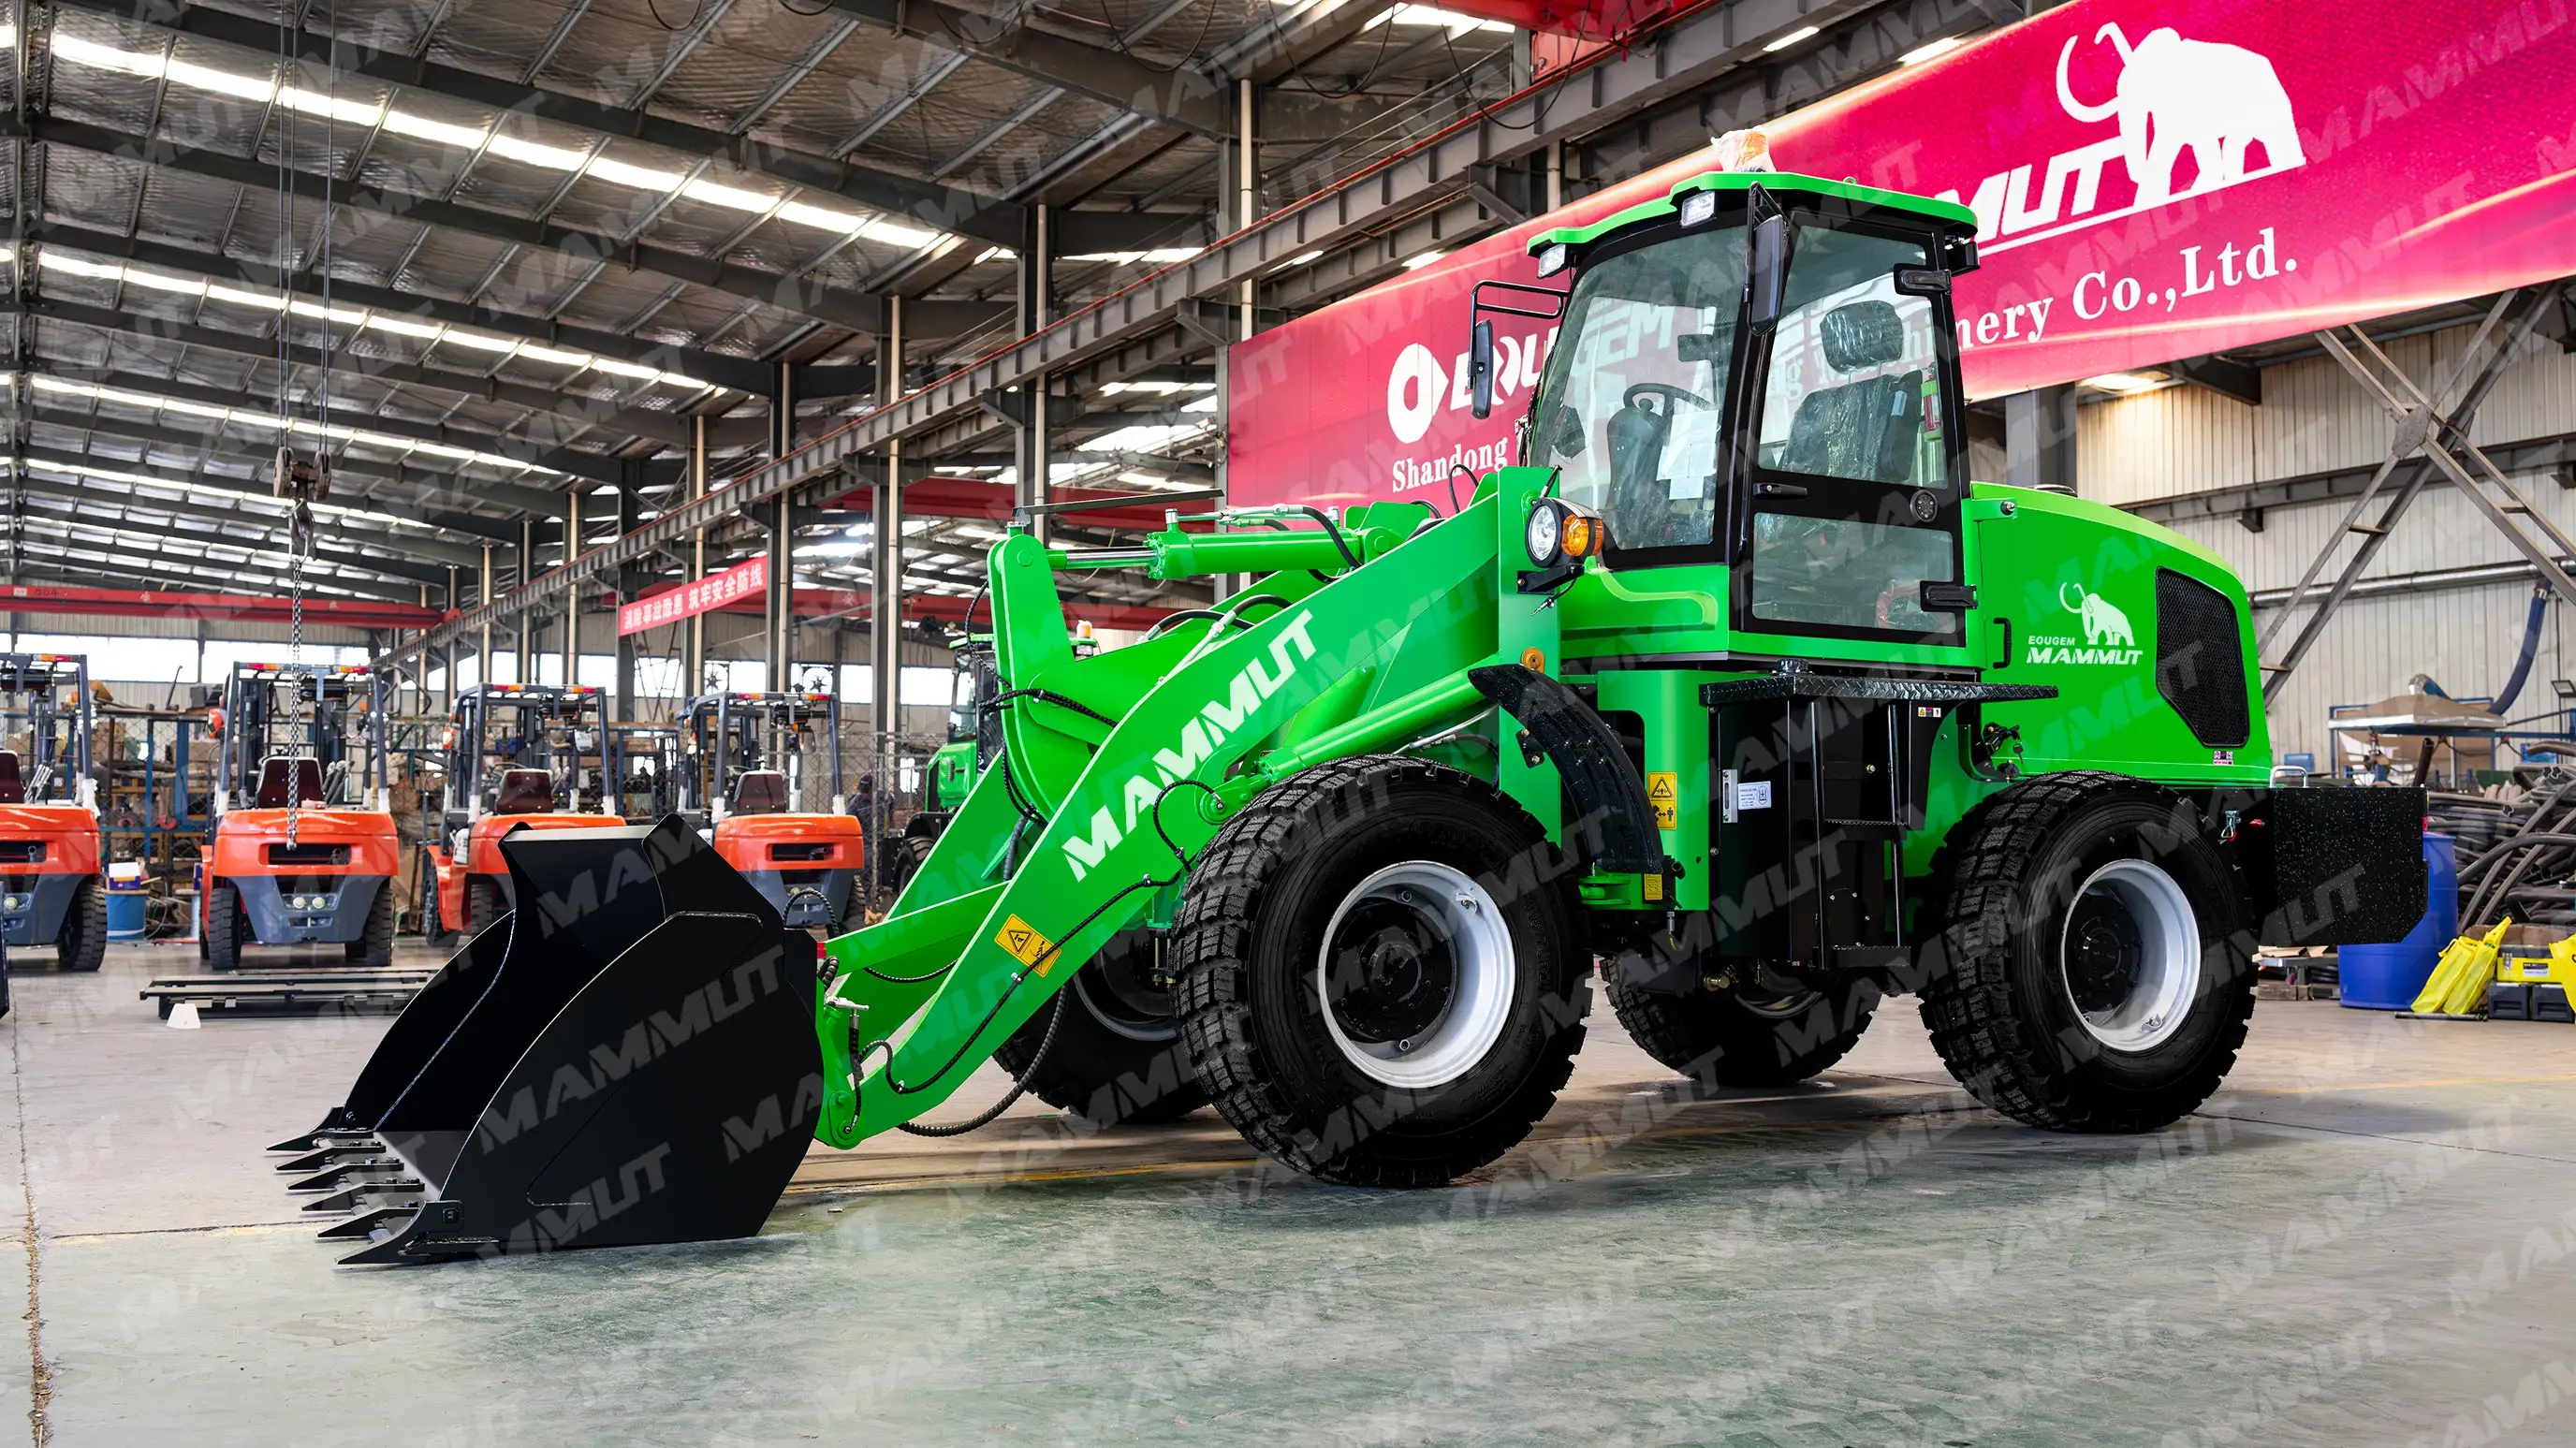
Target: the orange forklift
(304, 851)
(519, 756)
(51, 891)
(746, 772)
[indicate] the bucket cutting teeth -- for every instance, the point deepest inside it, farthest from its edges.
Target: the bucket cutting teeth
(336, 1156)
(384, 1168)
(387, 1193)
(363, 1225)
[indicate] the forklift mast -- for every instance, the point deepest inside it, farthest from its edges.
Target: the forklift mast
(523, 726)
(341, 708)
(46, 697)
(730, 734)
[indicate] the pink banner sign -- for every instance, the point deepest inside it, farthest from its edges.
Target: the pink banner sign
(2154, 180)
(743, 580)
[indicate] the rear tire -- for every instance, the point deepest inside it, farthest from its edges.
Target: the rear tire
(483, 903)
(226, 926)
(902, 862)
(2089, 968)
(1118, 1059)
(82, 945)
(1382, 974)
(374, 947)
(1719, 1037)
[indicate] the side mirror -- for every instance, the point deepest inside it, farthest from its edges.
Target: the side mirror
(1769, 277)
(1480, 367)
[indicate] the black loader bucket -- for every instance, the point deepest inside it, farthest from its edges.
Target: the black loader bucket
(629, 1057)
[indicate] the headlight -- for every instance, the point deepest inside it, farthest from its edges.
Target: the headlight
(1560, 533)
(1552, 260)
(1698, 207)
(1544, 535)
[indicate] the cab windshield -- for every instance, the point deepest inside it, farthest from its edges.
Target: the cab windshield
(1631, 401)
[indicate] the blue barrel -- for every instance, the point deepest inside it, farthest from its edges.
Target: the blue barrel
(125, 909)
(2389, 977)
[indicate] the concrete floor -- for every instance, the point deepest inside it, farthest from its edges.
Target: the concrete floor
(2369, 1239)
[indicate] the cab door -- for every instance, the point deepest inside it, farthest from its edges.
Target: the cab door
(1849, 476)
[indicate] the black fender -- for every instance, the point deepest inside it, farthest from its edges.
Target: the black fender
(1598, 774)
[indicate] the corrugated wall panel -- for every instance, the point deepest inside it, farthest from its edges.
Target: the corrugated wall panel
(2316, 419)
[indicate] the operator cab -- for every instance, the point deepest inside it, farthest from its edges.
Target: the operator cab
(1760, 372)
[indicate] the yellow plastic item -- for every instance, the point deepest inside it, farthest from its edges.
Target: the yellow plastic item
(2459, 982)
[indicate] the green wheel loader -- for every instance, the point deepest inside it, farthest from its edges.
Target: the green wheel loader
(1733, 692)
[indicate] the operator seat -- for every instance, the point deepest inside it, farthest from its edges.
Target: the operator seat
(280, 776)
(760, 791)
(525, 791)
(13, 790)
(1864, 430)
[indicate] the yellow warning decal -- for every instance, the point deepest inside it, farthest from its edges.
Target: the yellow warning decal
(1024, 943)
(1662, 792)
(1654, 885)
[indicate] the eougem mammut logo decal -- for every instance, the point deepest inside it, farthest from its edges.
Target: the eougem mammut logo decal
(2108, 637)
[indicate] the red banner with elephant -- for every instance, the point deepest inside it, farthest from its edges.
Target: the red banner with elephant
(2154, 179)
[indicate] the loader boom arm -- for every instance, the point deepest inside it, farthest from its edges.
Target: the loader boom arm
(1110, 782)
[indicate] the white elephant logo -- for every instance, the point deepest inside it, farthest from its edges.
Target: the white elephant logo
(2175, 95)
(2104, 624)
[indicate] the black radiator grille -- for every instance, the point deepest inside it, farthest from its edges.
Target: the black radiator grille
(2200, 660)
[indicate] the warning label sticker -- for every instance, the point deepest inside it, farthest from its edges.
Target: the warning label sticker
(1025, 944)
(1663, 792)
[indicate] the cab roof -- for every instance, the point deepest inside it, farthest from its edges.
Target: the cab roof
(1949, 214)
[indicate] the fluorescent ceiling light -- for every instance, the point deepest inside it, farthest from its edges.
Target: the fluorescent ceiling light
(591, 164)
(256, 418)
(2125, 382)
(1450, 20)
(1803, 32)
(229, 495)
(1160, 254)
(1417, 263)
(1303, 258)
(434, 332)
(1930, 50)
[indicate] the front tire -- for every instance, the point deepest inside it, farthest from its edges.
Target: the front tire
(2090, 969)
(1382, 973)
(433, 929)
(483, 903)
(226, 926)
(82, 945)
(374, 947)
(1117, 1059)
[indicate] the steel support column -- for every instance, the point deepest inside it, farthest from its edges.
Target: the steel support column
(483, 661)
(693, 659)
(2039, 438)
(1036, 312)
(885, 626)
(622, 704)
(778, 613)
(572, 591)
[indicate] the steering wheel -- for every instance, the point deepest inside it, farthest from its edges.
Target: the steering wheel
(1673, 396)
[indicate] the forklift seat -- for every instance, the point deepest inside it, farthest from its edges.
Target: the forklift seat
(12, 789)
(279, 774)
(760, 791)
(525, 791)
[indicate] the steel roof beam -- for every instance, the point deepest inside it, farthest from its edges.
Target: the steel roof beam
(944, 207)
(609, 417)
(594, 466)
(94, 508)
(427, 485)
(857, 311)
(437, 554)
(1179, 97)
(742, 374)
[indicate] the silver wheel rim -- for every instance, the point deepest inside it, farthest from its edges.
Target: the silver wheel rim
(2129, 955)
(1377, 975)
